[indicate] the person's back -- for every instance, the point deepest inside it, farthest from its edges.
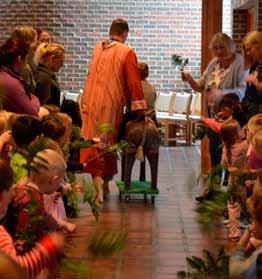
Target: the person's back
(112, 82)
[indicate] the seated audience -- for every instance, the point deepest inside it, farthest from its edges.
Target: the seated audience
(51, 58)
(15, 96)
(27, 35)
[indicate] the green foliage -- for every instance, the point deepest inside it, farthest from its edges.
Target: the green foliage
(179, 61)
(213, 180)
(209, 210)
(72, 198)
(104, 128)
(201, 132)
(28, 236)
(73, 269)
(208, 267)
(104, 244)
(216, 204)
(117, 148)
(89, 193)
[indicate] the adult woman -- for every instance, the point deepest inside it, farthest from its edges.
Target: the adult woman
(15, 96)
(27, 35)
(252, 49)
(51, 58)
(224, 74)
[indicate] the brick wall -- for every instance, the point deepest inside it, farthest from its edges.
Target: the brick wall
(239, 27)
(157, 30)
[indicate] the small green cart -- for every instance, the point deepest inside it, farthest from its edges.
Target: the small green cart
(137, 188)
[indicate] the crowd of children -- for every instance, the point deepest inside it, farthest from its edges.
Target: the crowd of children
(35, 155)
(242, 159)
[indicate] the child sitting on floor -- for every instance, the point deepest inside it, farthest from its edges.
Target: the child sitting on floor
(43, 254)
(46, 173)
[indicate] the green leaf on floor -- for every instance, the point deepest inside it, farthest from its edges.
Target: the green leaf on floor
(104, 244)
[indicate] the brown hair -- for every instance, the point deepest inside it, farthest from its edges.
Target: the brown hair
(10, 51)
(118, 27)
(228, 132)
(143, 70)
(25, 34)
(53, 127)
(6, 175)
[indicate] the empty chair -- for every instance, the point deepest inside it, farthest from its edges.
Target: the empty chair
(180, 110)
(195, 115)
(163, 105)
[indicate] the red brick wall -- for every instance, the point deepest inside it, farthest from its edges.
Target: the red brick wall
(157, 30)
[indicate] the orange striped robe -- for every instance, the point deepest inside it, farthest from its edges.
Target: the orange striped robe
(112, 82)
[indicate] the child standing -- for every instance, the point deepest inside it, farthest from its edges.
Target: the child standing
(233, 157)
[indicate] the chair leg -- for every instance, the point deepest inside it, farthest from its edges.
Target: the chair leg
(166, 134)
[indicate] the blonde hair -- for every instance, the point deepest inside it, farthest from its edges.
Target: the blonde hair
(7, 119)
(52, 162)
(229, 131)
(257, 140)
(45, 51)
(24, 33)
(224, 40)
(253, 38)
(254, 125)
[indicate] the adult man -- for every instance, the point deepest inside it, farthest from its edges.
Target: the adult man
(112, 82)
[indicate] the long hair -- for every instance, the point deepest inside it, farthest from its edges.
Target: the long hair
(25, 34)
(11, 50)
(252, 38)
(229, 132)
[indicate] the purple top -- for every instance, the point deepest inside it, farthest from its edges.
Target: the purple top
(14, 96)
(253, 161)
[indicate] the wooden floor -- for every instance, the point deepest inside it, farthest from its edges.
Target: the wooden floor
(160, 237)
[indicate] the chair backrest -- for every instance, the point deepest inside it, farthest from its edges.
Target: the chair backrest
(182, 102)
(195, 107)
(74, 96)
(164, 102)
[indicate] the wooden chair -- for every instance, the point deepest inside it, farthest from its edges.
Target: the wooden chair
(164, 103)
(180, 110)
(195, 115)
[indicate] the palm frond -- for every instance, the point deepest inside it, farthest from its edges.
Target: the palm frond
(104, 244)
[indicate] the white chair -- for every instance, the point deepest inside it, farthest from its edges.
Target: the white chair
(180, 110)
(163, 105)
(195, 114)
(74, 96)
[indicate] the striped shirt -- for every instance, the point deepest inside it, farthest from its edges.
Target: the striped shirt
(42, 256)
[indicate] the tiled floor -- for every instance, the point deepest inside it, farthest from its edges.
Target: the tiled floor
(159, 237)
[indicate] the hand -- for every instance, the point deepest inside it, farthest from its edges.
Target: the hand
(186, 76)
(6, 143)
(43, 112)
(70, 227)
(252, 79)
(59, 240)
